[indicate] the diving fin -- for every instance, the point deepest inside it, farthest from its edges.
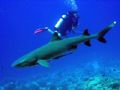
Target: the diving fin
(43, 63)
(86, 33)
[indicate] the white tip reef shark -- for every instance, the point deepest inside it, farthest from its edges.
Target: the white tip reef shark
(59, 47)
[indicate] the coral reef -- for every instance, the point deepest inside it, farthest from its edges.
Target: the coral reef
(72, 79)
(102, 83)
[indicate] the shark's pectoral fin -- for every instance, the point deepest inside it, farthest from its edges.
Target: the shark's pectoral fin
(43, 63)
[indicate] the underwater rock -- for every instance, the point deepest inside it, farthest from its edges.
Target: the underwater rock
(21, 87)
(115, 85)
(64, 87)
(32, 86)
(10, 86)
(79, 87)
(43, 84)
(53, 87)
(102, 83)
(93, 82)
(75, 79)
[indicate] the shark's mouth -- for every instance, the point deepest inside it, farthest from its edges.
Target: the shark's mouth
(24, 64)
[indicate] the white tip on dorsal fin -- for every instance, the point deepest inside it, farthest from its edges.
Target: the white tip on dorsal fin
(56, 36)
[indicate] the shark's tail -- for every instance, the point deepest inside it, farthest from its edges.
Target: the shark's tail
(100, 35)
(104, 32)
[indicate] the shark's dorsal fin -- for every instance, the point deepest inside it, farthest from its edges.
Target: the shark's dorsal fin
(56, 36)
(43, 63)
(86, 32)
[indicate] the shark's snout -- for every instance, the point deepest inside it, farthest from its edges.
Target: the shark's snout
(24, 62)
(15, 64)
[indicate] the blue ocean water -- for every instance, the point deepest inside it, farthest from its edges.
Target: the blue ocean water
(20, 18)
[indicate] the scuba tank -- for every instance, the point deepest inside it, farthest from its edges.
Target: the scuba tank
(60, 21)
(67, 23)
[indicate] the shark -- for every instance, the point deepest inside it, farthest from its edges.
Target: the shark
(58, 47)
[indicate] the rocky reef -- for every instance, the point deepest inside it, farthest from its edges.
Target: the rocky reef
(102, 83)
(92, 78)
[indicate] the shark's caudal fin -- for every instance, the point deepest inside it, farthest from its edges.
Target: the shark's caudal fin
(86, 33)
(104, 32)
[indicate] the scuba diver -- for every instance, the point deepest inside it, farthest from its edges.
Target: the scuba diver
(66, 24)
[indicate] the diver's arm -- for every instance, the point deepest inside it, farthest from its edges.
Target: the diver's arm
(52, 32)
(49, 30)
